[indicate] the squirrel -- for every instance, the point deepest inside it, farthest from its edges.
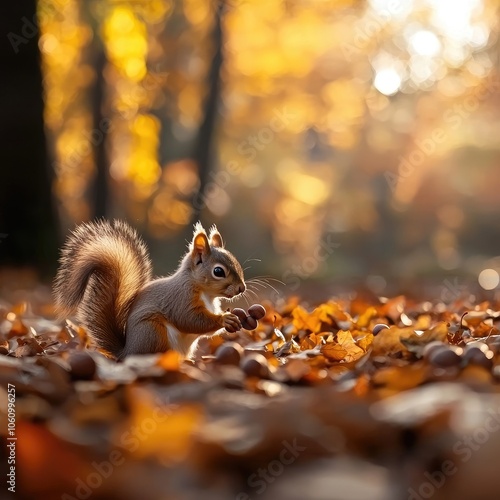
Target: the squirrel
(105, 275)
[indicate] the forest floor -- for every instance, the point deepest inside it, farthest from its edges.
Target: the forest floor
(319, 402)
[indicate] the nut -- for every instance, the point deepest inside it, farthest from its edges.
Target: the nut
(249, 323)
(82, 365)
(255, 365)
(229, 353)
(257, 311)
(242, 315)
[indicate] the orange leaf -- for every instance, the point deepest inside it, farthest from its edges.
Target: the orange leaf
(170, 429)
(332, 311)
(323, 314)
(170, 361)
(393, 308)
(388, 343)
(365, 342)
(364, 319)
(303, 320)
(362, 386)
(400, 378)
(344, 338)
(333, 352)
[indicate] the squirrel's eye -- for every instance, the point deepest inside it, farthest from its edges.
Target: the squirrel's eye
(219, 272)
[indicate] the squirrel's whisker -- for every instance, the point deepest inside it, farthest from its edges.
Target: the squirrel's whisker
(245, 297)
(263, 284)
(270, 278)
(253, 287)
(252, 292)
(250, 259)
(257, 286)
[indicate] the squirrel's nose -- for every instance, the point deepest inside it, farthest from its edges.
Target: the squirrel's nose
(241, 288)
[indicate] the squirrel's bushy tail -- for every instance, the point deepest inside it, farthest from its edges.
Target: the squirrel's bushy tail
(102, 267)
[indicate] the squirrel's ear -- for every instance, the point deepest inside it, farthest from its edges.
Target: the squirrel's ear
(200, 248)
(215, 237)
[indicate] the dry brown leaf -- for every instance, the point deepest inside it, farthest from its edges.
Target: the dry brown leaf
(333, 351)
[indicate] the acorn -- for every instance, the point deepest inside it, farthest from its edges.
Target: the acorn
(242, 315)
(482, 346)
(443, 358)
(255, 365)
(82, 366)
(378, 328)
(257, 311)
(433, 346)
(249, 323)
(477, 356)
(229, 353)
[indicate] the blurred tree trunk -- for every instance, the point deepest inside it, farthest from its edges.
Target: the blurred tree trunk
(99, 189)
(27, 216)
(203, 153)
(101, 125)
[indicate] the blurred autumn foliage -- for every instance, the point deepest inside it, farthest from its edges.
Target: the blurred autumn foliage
(373, 121)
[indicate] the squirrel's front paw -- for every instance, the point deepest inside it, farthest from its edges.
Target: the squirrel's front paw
(231, 322)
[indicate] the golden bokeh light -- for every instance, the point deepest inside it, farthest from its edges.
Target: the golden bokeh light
(335, 113)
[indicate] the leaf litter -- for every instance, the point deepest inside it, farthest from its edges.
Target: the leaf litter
(382, 392)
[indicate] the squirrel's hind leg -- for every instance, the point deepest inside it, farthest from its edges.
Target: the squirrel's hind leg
(145, 337)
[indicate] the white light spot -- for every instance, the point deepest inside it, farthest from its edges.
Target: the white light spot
(387, 81)
(488, 279)
(454, 18)
(425, 43)
(479, 35)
